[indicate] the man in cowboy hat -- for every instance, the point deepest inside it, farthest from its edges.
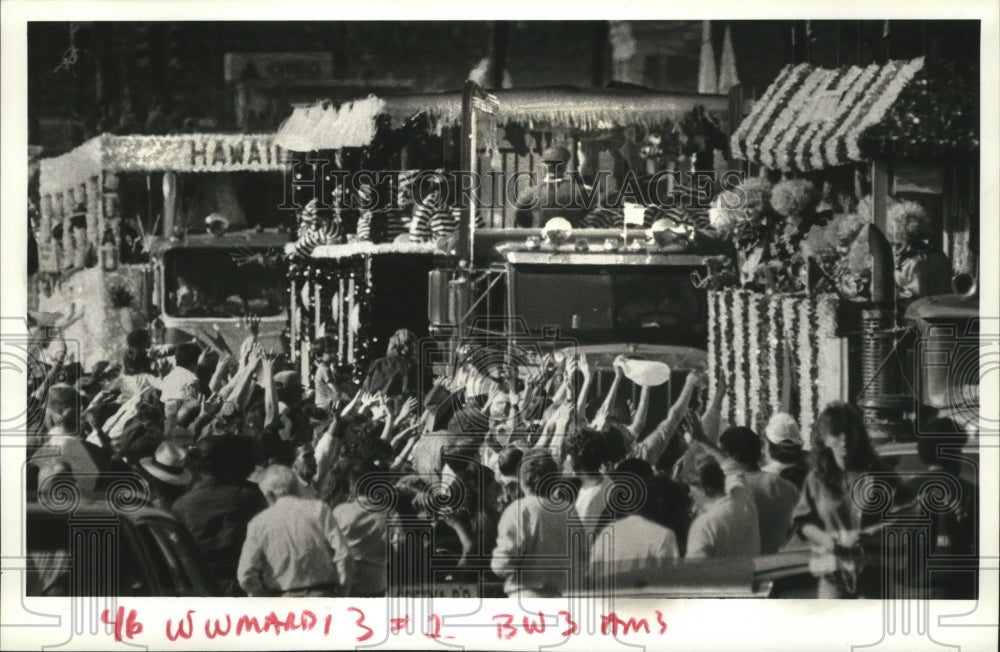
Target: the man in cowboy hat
(558, 195)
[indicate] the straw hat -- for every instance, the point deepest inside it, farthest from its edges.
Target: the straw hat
(167, 465)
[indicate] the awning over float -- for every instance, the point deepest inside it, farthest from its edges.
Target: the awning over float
(323, 125)
(814, 118)
(177, 153)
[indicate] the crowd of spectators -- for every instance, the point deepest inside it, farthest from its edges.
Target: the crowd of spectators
(517, 476)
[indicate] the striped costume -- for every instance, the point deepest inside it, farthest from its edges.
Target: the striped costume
(430, 225)
(380, 226)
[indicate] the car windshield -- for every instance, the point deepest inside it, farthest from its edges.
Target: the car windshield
(224, 283)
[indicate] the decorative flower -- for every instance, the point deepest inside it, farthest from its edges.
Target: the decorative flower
(794, 198)
(908, 222)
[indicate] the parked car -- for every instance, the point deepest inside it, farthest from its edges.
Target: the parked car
(95, 550)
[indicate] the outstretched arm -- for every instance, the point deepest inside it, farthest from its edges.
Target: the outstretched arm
(602, 414)
(651, 448)
(641, 411)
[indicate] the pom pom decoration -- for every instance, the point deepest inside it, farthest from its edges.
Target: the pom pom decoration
(794, 198)
(908, 222)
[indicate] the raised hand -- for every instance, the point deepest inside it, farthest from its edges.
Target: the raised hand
(409, 407)
(252, 321)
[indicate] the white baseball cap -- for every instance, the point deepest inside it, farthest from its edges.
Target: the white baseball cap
(782, 428)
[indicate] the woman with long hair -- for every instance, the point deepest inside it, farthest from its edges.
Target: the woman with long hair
(396, 373)
(843, 501)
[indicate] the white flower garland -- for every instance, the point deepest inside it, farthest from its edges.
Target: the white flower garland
(882, 80)
(816, 123)
(815, 145)
(852, 106)
(319, 325)
(713, 352)
(296, 325)
(358, 248)
(754, 331)
(780, 124)
(789, 363)
(791, 119)
(728, 368)
(764, 121)
(881, 105)
(742, 134)
(807, 400)
(774, 326)
(740, 353)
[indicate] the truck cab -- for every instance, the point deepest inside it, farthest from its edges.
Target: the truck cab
(206, 284)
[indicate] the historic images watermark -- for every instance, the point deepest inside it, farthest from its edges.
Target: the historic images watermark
(370, 189)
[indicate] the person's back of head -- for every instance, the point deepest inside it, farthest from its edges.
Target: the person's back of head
(277, 481)
(135, 361)
(186, 355)
(537, 471)
(587, 449)
(509, 460)
(62, 406)
(743, 445)
(635, 466)
(708, 476)
(139, 339)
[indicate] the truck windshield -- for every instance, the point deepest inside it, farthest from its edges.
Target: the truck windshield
(223, 283)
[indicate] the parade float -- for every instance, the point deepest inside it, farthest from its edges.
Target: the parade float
(169, 227)
(806, 309)
(476, 285)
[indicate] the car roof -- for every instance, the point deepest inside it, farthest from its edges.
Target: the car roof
(97, 505)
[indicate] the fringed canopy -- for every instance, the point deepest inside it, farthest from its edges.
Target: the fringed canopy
(369, 248)
(812, 118)
(178, 153)
(325, 126)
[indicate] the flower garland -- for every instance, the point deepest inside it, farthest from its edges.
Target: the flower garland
(937, 112)
(790, 364)
(755, 333)
(748, 128)
(899, 77)
(359, 248)
(740, 363)
(845, 88)
(713, 325)
(849, 105)
(818, 120)
(863, 109)
(781, 116)
(781, 151)
(813, 118)
(728, 354)
(774, 357)
(807, 364)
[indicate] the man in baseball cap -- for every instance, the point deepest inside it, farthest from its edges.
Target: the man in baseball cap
(784, 454)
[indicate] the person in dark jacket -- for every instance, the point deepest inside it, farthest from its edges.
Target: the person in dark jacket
(219, 505)
(558, 195)
(396, 373)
